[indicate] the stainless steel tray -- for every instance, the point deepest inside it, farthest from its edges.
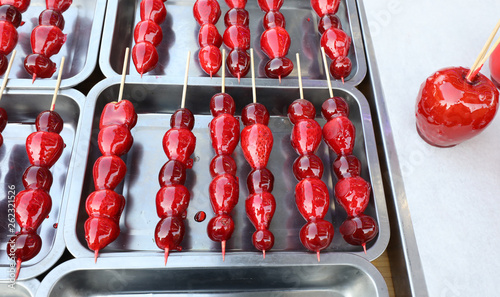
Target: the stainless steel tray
(84, 21)
(22, 107)
(180, 34)
(25, 288)
(348, 275)
(154, 104)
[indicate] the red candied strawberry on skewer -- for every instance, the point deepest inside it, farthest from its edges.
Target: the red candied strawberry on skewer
(208, 12)
(3, 113)
(20, 5)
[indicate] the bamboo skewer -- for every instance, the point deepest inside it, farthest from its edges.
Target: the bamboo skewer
(325, 63)
(301, 89)
(6, 76)
(184, 89)
(483, 55)
(58, 84)
(124, 73)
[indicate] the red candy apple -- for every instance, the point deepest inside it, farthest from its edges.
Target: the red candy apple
(495, 66)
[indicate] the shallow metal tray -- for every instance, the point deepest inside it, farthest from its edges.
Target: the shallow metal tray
(349, 275)
(25, 288)
(84, 21)
(22, 107)
(180, 34)
(154, 104)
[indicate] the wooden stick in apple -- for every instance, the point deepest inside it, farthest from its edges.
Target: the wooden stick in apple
(483, 55)
(124, 74)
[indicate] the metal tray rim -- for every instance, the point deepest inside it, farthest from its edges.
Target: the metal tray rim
(31, 285)
(357, 41)
(59, 243)
(78, 250)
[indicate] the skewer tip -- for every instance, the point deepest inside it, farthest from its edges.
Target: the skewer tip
(18, 267)
(34, 77)
(279, 78)
(166, 255)
(211, 75)
(223, 244)
(342, 80)
(318, 256)
(264, 254)
(239, 77)
(364, 247)
(96, 255)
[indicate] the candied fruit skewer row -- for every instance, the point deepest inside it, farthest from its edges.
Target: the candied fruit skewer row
(351, 191)
(33, 205)
(224, 135)
(311, 193)
(275, 41)
(172, 200)
(148, 35)
(335, 41)
(105, 206)
(10, 20)
(3, 113)
(257, 143)
(237, 38)
(207, 13)
(47, 39)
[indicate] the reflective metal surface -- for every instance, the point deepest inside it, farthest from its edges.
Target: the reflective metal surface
(22, 108)
(348, 275)
(155, 103)
(180, 34)
(25, 288)
(83, 26)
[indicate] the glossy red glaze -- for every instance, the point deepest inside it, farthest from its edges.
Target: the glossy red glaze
(236, 3)
(255, 113)
(148, 31)
(274, 19)
(118, 113)
(153, 10)
(237, 37)
(224, 134)
(222, 103)
(3, 119)
(220, 228)
(301, 109)
(169, 233)
(47, 40)
(1, 139)
(49, 121)
(10, 14)
(145, 57)
(108, 172)
(105, 203)
(209, 35)
(172, 201)
(312, 199)
(114, 140)
(260, 209)
(51, 17)
(353, 194)
(334, 107)
(238, 63)
(359, 230)
(307, 166)
(39, 66)
(346, 166)
(222, 164)
(339, 134)
(59, 5)
(210, 59)
(260, 180)
(4, 63)
(267, 5)
(44, 148)
(322, 7)
(206, 11)
(329, 21)
(8, 38)
(336, 43)
(278, 67)
(32, 207)
(100, 231)
(306, 136)
(26, 245)
(182, 118)
(37, 177)
(224, 191)
(200, 216)
(275, 42)
(316, 235)
(495, 66)
(21, 5)
(236, 16)
(341, 67)
(257, 143)
(179, 144)
(172, 173)
(263, 240)
(450, 110)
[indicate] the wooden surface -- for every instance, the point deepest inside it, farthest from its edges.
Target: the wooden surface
(382, 264)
